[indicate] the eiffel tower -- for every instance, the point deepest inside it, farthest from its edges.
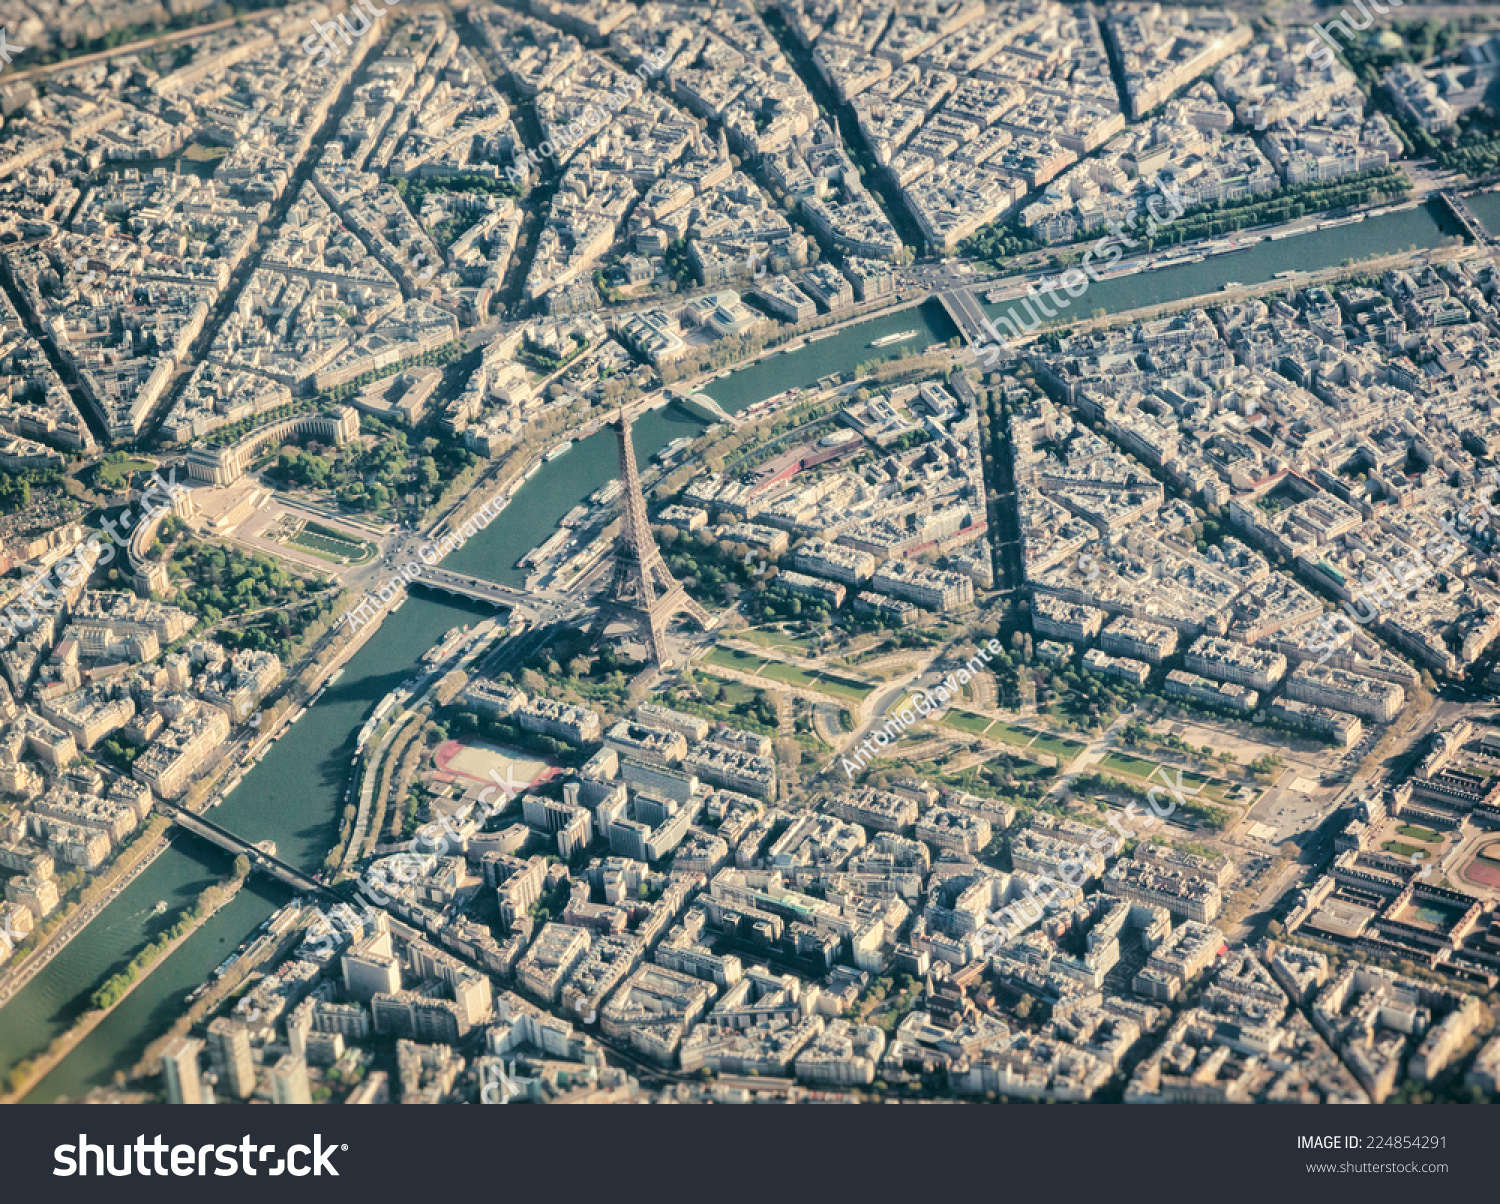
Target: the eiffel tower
(642, 591)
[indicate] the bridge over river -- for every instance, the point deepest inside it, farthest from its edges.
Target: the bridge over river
(259, 858)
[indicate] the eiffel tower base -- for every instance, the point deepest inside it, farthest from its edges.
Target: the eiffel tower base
(649, 624)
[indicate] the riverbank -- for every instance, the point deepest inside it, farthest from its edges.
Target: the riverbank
(127, 868)
(254, 952)
(296, 793)
(31, 1073)
(1247, 292)
(121, 874)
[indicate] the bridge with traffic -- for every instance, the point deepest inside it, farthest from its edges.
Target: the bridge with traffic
(1477, 232)
(531, 605)
(266, 863)
(971, 320)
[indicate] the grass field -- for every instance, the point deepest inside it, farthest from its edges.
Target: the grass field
(776, 639)
(1213, 788)
(733, 658)
(1133, 766)
(1060, 747)
(1420, 833)
(1151, 771)
(116, 474)
(965, 722)
(737, 692)
(774, 670)
(1401, 850)
(1017, 737)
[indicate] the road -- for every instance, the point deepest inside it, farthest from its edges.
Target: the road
(1096, 750)
(160, 39)
(37, 960)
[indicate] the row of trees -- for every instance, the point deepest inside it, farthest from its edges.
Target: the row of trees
(15, 487)
(114, 988)
(1283, 205)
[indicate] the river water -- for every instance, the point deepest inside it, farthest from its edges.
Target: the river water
(294, 797)
(1486, 207)
(295, 794)
(1424, 227)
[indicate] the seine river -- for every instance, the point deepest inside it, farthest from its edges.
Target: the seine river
(1423, 227)
(295, 794)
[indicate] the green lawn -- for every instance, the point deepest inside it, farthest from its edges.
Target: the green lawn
(116, 474)
(792, 675)
(1193, 784)
(1420, 833)
(733, 658)
(1061, 748)
(332, 545)
(737, 692)
(967, 722)
(1004, 733)
(817, 679)
(1401, 850)
(1197, 783)
(1133, 766)
(775, 639)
